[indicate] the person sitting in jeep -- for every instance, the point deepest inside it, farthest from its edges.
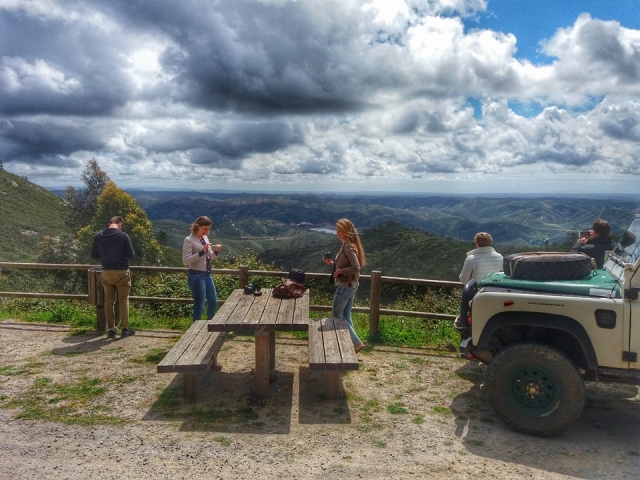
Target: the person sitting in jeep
(597, 244)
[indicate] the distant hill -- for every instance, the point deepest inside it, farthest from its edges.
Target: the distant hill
(513, 222)
(237, 236)
(28, 214)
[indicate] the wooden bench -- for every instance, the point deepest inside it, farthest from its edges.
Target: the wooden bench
(331, 350)
(194, 353)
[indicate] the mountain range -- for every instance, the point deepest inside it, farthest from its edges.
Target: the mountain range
(513, 222)
(404, 235)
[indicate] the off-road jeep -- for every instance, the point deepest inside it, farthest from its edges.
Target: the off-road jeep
(541, 339)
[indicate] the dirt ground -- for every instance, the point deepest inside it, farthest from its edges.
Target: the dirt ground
(408, 414)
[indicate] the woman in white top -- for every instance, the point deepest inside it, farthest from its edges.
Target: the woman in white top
(197, 254)
(484, 259)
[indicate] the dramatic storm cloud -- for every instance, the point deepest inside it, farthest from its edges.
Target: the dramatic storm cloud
(316, 94)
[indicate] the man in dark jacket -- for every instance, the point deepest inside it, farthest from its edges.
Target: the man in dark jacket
(597, 244)
(114, 249)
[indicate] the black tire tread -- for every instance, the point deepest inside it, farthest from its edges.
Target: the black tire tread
(548, 266)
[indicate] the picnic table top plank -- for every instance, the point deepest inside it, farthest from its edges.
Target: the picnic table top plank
(285, 314)
(227, 309)
(270, 314)
(256, 311)
(248, 313)
(301, 312)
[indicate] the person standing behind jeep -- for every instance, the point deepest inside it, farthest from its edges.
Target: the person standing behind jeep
(197, 254)
(597, 244)
(482, 260)
(114, 249)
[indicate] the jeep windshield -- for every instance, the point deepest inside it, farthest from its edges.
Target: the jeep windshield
(627, 250)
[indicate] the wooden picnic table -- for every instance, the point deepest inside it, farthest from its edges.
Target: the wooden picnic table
(261, 315)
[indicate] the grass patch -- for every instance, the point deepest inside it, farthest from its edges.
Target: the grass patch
(68, 403)
(371, 406)
(26, 369)
(396, 409)
(418, 419)
(224, 441)
(415, 332)
(152, 356)
(442, 410)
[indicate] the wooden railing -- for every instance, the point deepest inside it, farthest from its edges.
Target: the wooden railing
(95, 293)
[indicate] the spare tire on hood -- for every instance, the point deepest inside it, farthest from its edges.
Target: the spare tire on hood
(548, 266)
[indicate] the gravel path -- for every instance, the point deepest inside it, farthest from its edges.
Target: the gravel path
(409, 414)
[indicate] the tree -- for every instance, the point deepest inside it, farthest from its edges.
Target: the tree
(82, 204)
(59, 250)
(114, 201)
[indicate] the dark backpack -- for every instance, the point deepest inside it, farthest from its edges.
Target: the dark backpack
(289, 289)
(297, 275)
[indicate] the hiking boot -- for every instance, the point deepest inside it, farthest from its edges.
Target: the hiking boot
(111, 334)
(127, 332)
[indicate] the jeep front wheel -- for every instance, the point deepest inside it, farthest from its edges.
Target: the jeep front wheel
(535, 388)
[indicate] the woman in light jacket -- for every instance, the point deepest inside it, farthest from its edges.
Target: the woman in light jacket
(479, 262)
(347, 264)
(197, 254)
(482, 260)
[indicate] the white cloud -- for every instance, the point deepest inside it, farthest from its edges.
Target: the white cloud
(16, 74)
(309, 92)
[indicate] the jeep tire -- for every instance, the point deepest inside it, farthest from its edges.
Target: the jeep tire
(547, 266)
(535, 388)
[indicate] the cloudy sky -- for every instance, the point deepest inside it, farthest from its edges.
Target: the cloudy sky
(442, 96)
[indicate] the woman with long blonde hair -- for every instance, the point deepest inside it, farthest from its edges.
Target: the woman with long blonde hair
(346, 272)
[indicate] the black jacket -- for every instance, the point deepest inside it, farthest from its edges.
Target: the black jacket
(114, 249)
(595, 248)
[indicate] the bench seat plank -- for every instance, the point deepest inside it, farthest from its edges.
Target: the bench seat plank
(330, 346)
(316, 345)
(169, 361)
(201, 354)
(331, 351)
(347, 351)
(195, 352)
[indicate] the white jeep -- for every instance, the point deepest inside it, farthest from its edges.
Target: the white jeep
(542, 338)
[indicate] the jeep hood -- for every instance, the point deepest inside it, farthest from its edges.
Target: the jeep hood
(599, 284)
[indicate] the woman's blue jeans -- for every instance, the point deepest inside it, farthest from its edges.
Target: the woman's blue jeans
(342, 305)
(203, 288)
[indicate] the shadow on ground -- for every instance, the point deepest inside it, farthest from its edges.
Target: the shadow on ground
(606, 432)
(227, 401)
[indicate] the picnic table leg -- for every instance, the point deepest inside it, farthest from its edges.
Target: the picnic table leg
(272, 350)
(332, 379)
(262, 340)
(191, 386)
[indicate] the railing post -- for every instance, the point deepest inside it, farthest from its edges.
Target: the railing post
(243, 277)
(374, 302)
(96, 297)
